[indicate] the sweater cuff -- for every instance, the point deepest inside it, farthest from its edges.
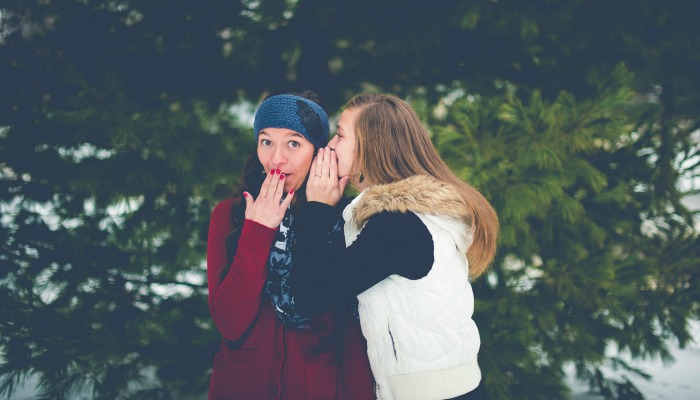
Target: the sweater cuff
(256, 236)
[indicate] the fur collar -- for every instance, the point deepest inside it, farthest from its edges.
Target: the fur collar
(420, 194)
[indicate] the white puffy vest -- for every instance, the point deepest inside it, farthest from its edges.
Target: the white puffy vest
(421, 341)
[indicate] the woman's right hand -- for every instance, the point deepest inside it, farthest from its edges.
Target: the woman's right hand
(267, 209)
(323, 184)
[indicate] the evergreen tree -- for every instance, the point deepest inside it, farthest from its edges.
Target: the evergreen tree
(594, 256)
(109, 168)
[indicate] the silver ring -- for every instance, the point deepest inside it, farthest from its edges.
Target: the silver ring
(319, 175)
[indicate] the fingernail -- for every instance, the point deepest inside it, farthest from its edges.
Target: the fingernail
(272, 171)
(278, 171)
(291, 191)
(282, 177)
(245, 194)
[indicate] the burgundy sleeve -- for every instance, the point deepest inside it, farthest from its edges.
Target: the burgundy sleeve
(234, 301)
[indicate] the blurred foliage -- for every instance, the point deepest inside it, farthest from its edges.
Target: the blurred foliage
(121, 126)
(580, 268)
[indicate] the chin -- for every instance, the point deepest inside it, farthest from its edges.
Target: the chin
(289, 186)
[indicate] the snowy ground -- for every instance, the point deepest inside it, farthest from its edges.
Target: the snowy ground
(677, 381)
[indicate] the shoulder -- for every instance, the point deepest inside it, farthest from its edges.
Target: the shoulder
(223, 207)
(419, 194)
(221, 214)
(396, 224)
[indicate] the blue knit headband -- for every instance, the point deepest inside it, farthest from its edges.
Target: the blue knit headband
(295, 113)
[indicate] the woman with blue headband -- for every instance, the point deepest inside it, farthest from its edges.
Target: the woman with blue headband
(268, 350)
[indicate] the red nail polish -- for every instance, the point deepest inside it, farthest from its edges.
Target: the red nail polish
(245, 194)
(282, 177)
(279, 171)
(272, 171)
(291, 191)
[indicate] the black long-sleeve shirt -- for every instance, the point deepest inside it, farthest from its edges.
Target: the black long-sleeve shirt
(325, 277)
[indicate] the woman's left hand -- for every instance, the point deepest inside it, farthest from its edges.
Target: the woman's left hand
(323, 184)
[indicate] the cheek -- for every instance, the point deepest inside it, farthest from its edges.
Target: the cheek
(262, 156)
(301, 171)
(346, 157)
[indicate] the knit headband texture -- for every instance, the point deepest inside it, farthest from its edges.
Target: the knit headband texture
(295, 113)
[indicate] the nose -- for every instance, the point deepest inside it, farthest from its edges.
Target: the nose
(279, 157)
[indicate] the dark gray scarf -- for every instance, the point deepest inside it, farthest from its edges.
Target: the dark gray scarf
(279, 265)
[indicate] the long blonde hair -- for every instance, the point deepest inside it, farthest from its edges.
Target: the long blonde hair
(392, 144)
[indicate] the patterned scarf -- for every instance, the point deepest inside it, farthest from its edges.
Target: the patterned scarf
(279, 264)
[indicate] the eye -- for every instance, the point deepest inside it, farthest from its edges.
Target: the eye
(265, 142)
(294, 144)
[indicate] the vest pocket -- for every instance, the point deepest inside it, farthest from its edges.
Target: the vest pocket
(393, 343)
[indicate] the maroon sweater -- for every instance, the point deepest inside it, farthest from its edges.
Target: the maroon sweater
(261, 359)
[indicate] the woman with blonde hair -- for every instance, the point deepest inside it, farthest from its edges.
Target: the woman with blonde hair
(414, 236)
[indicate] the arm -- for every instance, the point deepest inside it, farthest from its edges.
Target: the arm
(324, 278)
(234, 301)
